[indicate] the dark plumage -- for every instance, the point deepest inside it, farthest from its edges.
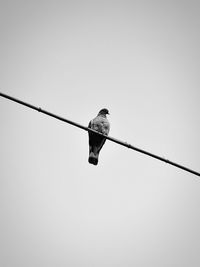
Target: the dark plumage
(101, 124)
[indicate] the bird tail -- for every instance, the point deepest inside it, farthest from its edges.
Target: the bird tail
(93, 158)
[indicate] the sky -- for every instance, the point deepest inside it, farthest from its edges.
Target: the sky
(139, 59)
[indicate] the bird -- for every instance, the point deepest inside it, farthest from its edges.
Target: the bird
(101, 124)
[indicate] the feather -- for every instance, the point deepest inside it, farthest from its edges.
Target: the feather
(101, 124)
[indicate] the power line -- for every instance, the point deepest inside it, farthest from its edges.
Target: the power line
(39, 109)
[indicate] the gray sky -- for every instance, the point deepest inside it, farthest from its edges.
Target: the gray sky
(139, 59)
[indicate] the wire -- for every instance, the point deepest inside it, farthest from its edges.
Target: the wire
(39, 109)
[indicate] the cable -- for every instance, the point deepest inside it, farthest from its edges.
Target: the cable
(39, 109)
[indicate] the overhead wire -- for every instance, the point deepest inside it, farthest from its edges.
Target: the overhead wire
(39, 109)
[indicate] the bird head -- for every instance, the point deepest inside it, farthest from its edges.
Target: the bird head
(104, 111)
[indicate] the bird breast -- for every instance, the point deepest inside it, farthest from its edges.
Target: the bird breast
(101, 125)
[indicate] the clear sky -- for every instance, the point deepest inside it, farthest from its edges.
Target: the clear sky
(141, 60)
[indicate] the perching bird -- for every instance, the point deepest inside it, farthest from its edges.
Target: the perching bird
(96, 142)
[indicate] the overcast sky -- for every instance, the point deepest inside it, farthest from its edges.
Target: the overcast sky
(141, 60)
